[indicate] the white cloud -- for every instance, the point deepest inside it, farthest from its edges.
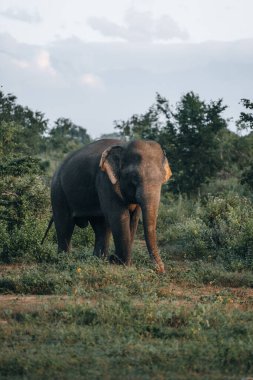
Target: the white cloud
(21, 63)
(92, 81)
(21, 15)
(107, 28)
(43, 62)
(166, 28)
(140, 27)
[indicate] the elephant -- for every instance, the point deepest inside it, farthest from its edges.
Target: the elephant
(109, 183)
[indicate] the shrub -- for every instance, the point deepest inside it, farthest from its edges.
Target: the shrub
(24, 207)
(83, 237)
(220, 228)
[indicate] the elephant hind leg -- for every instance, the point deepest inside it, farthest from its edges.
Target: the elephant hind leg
(64, 223)
(102, 236)
(64, 230)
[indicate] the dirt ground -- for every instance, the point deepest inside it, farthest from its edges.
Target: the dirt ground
(177, 295)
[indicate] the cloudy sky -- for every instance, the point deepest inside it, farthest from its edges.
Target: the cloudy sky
(99, 61)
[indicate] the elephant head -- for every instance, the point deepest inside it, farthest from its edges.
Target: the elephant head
(137, 171)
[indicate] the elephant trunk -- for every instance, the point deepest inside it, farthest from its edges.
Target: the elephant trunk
(149, 206)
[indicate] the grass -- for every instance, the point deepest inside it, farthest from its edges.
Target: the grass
(79, 317)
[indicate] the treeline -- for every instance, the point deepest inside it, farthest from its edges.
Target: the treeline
(197, 141)
(205, 156)
(193, 133)
(28, 133)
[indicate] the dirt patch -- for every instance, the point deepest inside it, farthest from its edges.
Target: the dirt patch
(175, 294)
(183, 295)
(32, 303)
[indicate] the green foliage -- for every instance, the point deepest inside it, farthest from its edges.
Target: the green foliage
(247, 177)
(83, 237)
(20, 126)
(189, 135)
(24, 195)
(18, 166)
(66, 136)
(220, 228)
(246, 118)
(73, 316)
(24, 206)
(196, 125)
(218, 274)
(243, 151)
(93, 320)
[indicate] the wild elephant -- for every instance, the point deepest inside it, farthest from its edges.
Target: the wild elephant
(108, 183)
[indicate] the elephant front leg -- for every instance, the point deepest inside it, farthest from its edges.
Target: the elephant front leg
(120, 225)
(134, 220)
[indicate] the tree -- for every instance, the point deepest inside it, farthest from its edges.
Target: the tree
(23, 193)
(247, 177)
(144, 126)
(66, 136)
(30, 126)
(196, 127)
(246, 118)
(188, 134)
(246, 122)
(21, 136)
(113, 135)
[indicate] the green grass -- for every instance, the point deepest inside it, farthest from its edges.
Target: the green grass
(80, 317)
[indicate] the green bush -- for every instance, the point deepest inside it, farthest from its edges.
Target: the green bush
(24, 208)
(224, 186)
(247, 177)
(83, 237)
(25, 211)
(220, 228)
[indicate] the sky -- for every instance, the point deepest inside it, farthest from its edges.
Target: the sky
(100, 61)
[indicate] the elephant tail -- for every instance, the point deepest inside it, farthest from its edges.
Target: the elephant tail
(48, 228)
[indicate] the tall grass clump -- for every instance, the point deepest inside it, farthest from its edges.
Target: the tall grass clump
(218, 228)
(24, 208)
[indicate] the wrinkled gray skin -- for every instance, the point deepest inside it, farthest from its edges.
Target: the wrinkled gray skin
(108, 183)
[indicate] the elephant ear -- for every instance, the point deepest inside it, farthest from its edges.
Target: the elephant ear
(168, 172)
(110, 162)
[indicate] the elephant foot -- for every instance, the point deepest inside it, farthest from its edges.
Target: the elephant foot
(113, 259)
(100, 255)
(160, 268)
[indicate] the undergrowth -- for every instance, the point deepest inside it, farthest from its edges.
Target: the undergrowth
(217, 228)
(94, 320)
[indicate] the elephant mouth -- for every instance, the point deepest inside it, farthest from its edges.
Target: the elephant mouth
(132, 207)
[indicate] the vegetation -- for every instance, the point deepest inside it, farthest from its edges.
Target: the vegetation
(246, 122)
(91, 319)
(217, 228)
(188, 134)
(73, 316)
